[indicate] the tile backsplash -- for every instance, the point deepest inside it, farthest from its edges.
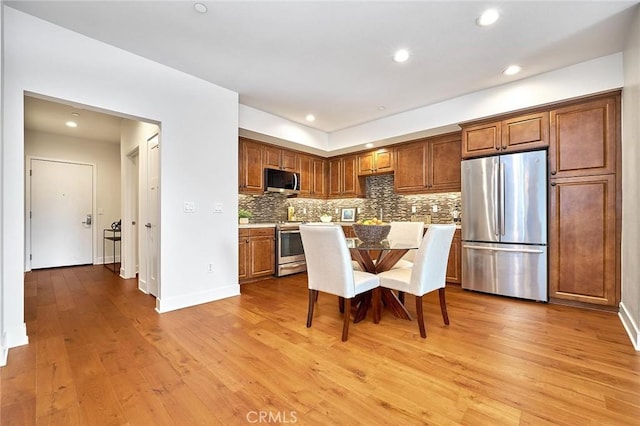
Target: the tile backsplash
(380, 200)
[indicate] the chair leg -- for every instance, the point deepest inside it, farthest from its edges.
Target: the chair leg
(377, 302)
(341, 304)
(401, 297)
(423, 331)
(313, 295)
(443, 306)
(347, 318)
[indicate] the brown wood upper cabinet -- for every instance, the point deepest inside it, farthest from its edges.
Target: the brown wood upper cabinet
(277, 158)
(319, 186)
(375, 162)
(250, 174)
(512, 134)
(583, 139)
(312, 176)
(428, 165)
(343, 177)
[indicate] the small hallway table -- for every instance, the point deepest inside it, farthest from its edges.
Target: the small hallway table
(386, 255)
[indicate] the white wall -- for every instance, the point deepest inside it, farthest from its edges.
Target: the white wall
(106, 157)
(199, 128)
(4, 350)
(630, 306)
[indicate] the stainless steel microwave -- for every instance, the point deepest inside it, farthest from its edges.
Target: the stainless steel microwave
(281, 181)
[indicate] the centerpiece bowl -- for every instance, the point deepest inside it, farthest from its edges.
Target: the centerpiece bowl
(371, 234)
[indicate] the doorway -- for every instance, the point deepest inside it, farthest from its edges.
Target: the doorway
(106, 140)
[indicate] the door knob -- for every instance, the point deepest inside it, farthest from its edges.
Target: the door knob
(147, 225)
(87, 221)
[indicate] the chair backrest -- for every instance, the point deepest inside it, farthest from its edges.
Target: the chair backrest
(429, 270)
(329, 266)
(409, 233)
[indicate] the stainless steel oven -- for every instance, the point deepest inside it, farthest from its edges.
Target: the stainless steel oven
(289, 253)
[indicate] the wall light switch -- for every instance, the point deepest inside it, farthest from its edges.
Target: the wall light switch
(217, 207)
(189, 207)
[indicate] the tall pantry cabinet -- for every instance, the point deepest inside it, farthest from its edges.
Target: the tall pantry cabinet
(585, 202)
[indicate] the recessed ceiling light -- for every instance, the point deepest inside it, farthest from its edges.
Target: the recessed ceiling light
(71, 124)
(401, 55)
(200, 8)
(488, 17)
(310, 117)
(75, 114)
(512, 69)
(368, 145)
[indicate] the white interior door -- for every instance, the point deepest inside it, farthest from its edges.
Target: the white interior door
(61, 213)
(153, 211)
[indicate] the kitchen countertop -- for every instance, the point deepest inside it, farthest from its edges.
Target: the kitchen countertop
(273, 225)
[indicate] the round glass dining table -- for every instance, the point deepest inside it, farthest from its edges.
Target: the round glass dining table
(386, 254)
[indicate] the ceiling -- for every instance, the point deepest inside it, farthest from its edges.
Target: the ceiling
(334, 59)
(51, 117)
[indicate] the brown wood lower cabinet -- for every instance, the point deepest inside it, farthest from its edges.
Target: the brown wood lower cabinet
(582, 240)
(256, 253)
(454, 266)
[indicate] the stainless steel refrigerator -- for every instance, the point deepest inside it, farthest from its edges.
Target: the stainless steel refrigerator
(504, 225)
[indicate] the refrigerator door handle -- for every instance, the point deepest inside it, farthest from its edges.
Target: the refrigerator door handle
(535, 251)
(502, 205)
(496, 194)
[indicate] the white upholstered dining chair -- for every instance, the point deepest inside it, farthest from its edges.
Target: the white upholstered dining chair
(406, 233)
(329, 270)
(427, 274)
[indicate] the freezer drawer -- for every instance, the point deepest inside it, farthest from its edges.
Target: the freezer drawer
(506, 269)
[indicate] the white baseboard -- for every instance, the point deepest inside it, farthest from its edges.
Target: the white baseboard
(186, 300)
(4, 351)
(142, 286)
(630, 325)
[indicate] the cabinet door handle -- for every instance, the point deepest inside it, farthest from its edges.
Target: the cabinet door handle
(553, 172)
(498, 148)
(553, 184)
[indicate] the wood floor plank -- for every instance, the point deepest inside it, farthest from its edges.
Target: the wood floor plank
(100, 354)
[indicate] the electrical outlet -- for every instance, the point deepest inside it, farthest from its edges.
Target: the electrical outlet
(210, 268)
(217, 207)
(189, 207)
(304, 210)
(413, 209)
(434, 208)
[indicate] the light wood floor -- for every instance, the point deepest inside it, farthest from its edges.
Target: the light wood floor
(99, 354)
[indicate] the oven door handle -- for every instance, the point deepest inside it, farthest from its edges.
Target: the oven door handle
(290, 232)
